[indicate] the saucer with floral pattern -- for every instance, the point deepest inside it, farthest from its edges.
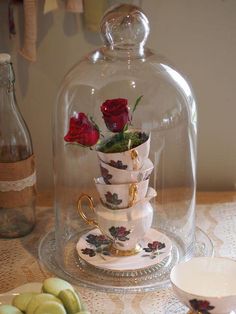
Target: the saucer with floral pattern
(93, 248)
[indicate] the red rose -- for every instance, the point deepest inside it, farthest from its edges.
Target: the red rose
(82, 131)
(115, 114)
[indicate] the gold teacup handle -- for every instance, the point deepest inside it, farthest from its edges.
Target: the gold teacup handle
(89, 221)
(133, 191)
(135, 159)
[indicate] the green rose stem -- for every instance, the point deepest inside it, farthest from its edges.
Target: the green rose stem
(136, 103)
(122, 137)
(95, 124)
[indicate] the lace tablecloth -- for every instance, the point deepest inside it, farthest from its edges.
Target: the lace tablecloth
(19, 262)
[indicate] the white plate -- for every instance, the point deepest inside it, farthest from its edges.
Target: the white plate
(6, 298)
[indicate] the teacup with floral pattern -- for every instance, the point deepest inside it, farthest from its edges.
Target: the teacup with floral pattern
(118, 196)
(206, 285)
(129, 159)
(124, 227)
(114, 175)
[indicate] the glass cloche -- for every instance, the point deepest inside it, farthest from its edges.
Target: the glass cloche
(125, 128)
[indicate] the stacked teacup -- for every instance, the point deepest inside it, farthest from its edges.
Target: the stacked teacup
(125, 213)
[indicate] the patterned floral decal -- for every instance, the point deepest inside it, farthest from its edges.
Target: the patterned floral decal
(202, 306)
(89, 252)
(154, 249)
(117, 164)
(97, 240)
(106, 175)
(100, 245)
(119, 233)
(112, 198)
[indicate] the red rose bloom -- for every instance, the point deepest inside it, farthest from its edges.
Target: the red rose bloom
(82, 131)
(115, 114)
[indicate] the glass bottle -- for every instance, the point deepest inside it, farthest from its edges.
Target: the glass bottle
(17, 166)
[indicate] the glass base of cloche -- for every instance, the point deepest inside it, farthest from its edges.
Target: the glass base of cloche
(78, 271)
(174, 306)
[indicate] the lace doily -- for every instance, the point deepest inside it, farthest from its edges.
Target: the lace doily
(19, 263)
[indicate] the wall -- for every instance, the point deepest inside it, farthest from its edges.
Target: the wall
(198, 36)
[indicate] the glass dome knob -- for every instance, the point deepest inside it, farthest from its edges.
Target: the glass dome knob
(124, 26)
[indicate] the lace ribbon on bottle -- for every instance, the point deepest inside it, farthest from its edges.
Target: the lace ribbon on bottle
(18, 185)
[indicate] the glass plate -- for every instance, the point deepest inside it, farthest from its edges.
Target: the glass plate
(174, 306)
(81, 273)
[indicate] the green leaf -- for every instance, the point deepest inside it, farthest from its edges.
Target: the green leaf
(119, 142)
(137, 102)
(125, 128)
